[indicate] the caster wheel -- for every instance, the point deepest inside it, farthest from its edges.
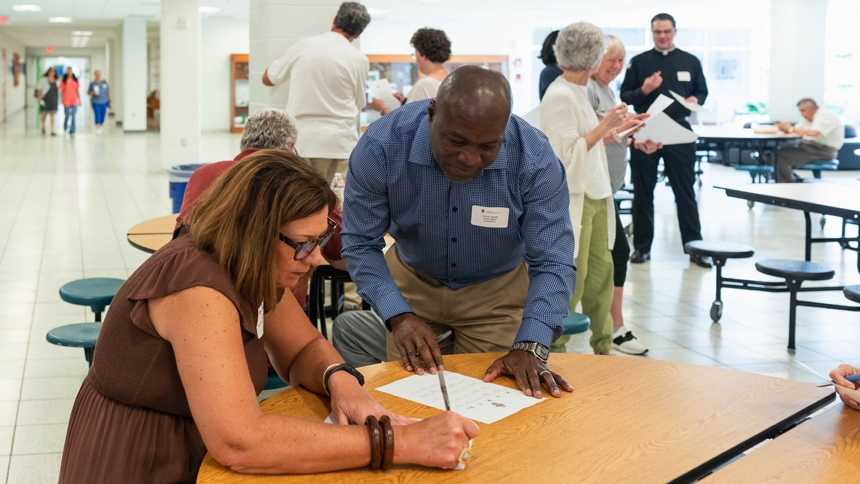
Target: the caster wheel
(700, 183)
(716, 311)
(822, 221)
(750, 203)
(843, 244)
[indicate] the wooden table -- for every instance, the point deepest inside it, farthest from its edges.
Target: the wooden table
(629, 420)
(728, 137)
(824, 198)
(152, 234)
(821, 450)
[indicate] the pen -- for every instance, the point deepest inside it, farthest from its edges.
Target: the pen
(851, 378)
(444, 389)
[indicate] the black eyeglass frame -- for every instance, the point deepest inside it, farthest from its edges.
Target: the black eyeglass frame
(308, 246)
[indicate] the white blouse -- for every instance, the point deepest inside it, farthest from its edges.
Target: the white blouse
(566, 117)
(425, 88)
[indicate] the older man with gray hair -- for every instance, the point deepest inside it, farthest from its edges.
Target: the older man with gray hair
(823, 135)
(327, 78)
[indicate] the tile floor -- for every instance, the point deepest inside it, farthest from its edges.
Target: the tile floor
(65, 206)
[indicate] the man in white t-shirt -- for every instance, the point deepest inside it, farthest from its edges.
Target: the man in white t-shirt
(823, 135)
(327, 78)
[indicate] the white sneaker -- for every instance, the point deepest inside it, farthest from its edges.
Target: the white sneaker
(99, 132)
(624, 341)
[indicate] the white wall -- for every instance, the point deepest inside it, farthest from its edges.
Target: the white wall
(220, 39)
(15, 96)
(797, 55)
(134, 74)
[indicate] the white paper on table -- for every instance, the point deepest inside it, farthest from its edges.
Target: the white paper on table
(658, 106)
(663, 129)
(470, 397)
(687, 104)
(381, 89)
(331, 420)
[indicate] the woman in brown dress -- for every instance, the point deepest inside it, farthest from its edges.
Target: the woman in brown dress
(182, 352)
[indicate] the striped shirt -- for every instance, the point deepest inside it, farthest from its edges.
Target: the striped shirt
(394, 185)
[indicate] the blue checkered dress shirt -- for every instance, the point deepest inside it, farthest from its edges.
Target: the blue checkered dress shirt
(394, 185)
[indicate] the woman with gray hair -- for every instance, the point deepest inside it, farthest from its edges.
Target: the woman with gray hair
(602, 99)
(578, 138)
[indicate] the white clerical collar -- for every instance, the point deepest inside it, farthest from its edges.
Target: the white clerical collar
(665, 52)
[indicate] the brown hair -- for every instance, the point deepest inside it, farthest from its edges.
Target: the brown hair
(239, 217)
(432, 44)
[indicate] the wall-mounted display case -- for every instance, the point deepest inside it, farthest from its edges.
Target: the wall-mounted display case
(240, 92)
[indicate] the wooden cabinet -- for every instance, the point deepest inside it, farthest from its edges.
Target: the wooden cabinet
(239, 92)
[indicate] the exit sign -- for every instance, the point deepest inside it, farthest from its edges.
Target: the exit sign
(4, 19)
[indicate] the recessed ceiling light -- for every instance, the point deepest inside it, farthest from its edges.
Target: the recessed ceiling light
(377, 11)
(85, 33)
(60, 20)
(26, 8)
(210, 9)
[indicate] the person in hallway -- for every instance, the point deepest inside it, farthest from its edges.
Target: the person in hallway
(477, 203)
(182, 351)
(327, 78)
(649, 74)
(551, 71)
(579, 139)
(823, 135)
(71, 100)
(268, 128)
(99, 93)
(602, 99)
(48, 95)
(838, 376)
(432, 51)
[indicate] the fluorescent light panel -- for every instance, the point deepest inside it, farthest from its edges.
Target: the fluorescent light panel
(26, 8)
(79, 33)
(60, 20)
(210, 9)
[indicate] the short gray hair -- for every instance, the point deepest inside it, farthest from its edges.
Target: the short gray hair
(808, 101)
(352, 18)
(269, 128)
(614, 44)
(579, 46)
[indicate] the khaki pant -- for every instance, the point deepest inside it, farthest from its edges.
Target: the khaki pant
(484, 317)
(594, 277)
(788, 158)
(327, 167)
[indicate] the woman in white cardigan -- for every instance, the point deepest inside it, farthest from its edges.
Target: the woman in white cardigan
(578, 138)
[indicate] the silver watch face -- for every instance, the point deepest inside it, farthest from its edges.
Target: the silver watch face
(541, 352)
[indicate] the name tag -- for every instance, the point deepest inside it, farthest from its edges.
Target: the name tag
(684, 76)
(490, 217)
(260, 320)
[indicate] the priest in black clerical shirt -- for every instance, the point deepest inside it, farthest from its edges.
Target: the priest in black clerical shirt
(650, 74)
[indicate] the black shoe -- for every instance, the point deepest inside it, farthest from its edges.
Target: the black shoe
(701, 261)
(639, 257)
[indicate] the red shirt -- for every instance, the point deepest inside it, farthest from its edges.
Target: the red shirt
(204, 176)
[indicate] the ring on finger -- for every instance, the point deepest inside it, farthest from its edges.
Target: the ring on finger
(417, 354)
(541, 373)
(465, 455)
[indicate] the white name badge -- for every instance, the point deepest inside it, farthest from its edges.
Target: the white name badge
(260, 319)
(684, 76)
(490, 217)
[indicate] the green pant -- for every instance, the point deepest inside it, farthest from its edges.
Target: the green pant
(594, 276)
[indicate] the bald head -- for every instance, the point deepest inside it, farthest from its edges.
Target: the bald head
(474, 90)
(468, 120)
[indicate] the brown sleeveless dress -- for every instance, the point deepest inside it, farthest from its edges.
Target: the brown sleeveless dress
(131, 422)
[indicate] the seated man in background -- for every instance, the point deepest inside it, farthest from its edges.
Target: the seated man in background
(267, 128)
(823, 135)
(478, 205)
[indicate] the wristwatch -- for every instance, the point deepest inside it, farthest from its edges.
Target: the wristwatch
(539, 351)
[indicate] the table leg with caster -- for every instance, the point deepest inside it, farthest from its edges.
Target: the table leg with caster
(717, 305)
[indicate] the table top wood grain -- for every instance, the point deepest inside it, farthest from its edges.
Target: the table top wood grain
(152, 234)
(821, 450)
(628, 420)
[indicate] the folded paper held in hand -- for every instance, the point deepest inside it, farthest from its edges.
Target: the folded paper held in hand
(470, 397)
(381, 89)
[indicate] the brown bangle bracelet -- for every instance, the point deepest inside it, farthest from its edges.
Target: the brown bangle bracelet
(388, 442)
(375, 441)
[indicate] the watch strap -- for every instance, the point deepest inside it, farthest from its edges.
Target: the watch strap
(343, 367)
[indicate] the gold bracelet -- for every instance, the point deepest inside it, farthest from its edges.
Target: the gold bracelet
(325, 372)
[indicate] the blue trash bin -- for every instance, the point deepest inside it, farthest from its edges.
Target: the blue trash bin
(178, 177)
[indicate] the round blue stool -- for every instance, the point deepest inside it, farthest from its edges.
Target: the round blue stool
(95, 292)
(575, 323)
(81, 335)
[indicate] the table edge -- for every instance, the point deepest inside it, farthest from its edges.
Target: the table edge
(791, 203)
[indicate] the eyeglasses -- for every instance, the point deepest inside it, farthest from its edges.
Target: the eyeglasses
(304, 249)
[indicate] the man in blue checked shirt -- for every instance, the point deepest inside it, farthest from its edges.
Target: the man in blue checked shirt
(478, 205)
